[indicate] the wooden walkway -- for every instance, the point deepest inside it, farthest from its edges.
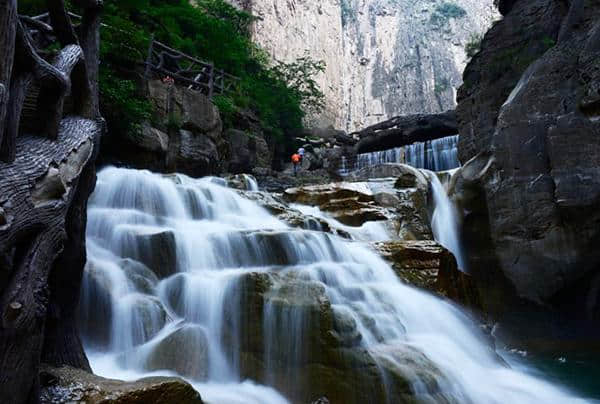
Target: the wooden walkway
(186, 70)
(161, 61)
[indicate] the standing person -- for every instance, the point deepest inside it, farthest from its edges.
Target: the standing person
(295, 161)
(301, 152)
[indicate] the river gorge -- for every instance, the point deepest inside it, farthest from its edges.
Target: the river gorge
(300, 202)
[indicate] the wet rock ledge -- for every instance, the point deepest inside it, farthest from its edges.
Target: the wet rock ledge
(68, 385)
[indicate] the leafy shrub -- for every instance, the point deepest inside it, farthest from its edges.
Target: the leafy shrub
(474, 45)
(226, 107)
(446, 11)
(441, 86)
(548, 42)
(122, 106)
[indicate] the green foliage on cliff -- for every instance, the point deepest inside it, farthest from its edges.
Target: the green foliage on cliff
(441, 85)
(210, 30)
(445, 11)
(122, 105)
(474, 45)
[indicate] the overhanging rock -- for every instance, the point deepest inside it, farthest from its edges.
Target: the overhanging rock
(404, 130)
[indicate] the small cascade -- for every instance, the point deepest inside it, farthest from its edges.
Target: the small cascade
(435, 155)
(396, 155)
(444, 221)
(185, 277)
(250, 182)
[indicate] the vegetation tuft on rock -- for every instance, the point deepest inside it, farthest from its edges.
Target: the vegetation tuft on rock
(446, 11)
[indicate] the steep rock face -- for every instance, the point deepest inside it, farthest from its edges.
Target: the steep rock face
(406, 57)
(532, 189)
(509, 47)
(384, 57)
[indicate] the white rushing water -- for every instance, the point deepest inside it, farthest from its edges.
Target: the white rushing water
(166, 256)
(369, 231)
(444, 221)
(435, 155)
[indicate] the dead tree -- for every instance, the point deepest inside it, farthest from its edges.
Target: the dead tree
(8, 31)
(46, 175)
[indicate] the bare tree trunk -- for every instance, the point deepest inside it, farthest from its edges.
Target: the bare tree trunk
(8, 29)
(61, 22)
(18, 90)
(41, 197)
(46, 178)
(54, 88)
(89, 37)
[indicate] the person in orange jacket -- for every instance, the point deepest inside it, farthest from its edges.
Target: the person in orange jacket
(296, 159)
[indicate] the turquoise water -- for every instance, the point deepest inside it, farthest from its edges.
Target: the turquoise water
(579, 372)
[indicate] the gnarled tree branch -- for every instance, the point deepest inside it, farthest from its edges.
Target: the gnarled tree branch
(44, 185)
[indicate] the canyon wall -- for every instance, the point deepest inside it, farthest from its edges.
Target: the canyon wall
(384, 57)
(529, 119)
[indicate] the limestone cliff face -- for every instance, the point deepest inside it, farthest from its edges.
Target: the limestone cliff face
(384, 57)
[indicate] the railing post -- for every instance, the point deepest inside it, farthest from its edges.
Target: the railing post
(149, 58)
(211, 79)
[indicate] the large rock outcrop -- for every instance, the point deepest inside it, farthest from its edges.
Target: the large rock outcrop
(186, 135)
(529, 116)
(429, 266)
(397, 198)
(384, 57)
(405, 130)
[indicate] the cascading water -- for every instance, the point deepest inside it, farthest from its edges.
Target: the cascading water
(169, 259)
(436, 155)
(369, 231)
(444, 221)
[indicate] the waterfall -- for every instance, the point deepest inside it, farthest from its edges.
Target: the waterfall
(368, 231)
(435, 155)
(175, 270)
(250, 182)
(444, 221)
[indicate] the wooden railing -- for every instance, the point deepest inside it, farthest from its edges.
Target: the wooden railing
(162, 61)
(186, 70)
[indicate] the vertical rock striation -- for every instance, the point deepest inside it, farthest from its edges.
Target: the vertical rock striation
(384, 57)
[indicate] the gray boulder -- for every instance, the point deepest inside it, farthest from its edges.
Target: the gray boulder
(193, 153)
(70, 385)
(184, 351)
(247, 150)
(157, 251)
